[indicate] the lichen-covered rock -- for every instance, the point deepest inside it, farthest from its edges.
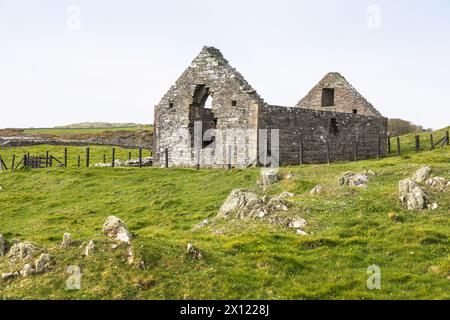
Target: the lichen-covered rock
(405, 186)
(353, 180)
(2, 245)
(411, 195)
(116, 229)
(240, 203)
(422, 174)
(67, 241)
(267, 178)
(316, 190)
(437, 183)
(43, 263)
(27, 270)
(298, 223)
(193, 252)
(90, 249)
(417, 199)
(286, 195)
(22, 251)
(7, 276)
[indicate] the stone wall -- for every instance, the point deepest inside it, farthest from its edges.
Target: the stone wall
(346, 97)
(234, 107)
(314, 128)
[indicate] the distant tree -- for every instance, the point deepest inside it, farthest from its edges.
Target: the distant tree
(401, 127)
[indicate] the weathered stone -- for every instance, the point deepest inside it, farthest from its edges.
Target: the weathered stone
(434, 206)
(7, 276)
(301, 232)
(22, 251)
(130, 255)
(437, 183)
(27, 270)
(193, 252)
(267, 178)
(316, 190)
(411, 195)
(247, 205)
(286, 194)
(43, 263)
(298, 223)
(116, 229)
(67, 241)
(422, 174)
(90, 249)
(202, 224)
(417, 199)
(353, 180)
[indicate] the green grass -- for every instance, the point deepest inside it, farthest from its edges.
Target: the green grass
(408, 142)
(349, 231)
(68, 131)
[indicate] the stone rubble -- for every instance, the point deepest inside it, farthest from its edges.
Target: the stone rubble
(22, 251)
(316, 190)
(354, 180)
(267, 178)
(67, 241)
(193, 252)
(437, 183)
(90, 249)
(412, 196)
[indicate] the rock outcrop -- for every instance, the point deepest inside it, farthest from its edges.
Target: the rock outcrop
(116, 229)
(316, 190)
(242, 204)
(22, 251)
(412, 196)
(193, 252)
(354, 180)
(67, 241)
(422, 174)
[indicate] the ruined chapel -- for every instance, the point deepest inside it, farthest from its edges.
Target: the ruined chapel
(333, 122)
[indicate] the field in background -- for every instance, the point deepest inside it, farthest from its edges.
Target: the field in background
(71, 131)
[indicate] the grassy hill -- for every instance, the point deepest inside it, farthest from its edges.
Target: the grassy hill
(349, 230)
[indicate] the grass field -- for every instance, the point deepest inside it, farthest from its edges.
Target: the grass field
(349, 231)
(70, 131)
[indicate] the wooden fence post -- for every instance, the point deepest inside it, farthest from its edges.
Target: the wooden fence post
(13, 161)
(166, 155)
(1, 163)
(46, 159)
(113, 157)
(28, 157)
(301, 151)
(379, 146)
(417, 143)
(87, 157)
(229, 157)
(328, 151)
(140, 157)
(447, 137)
(65, 157)
(129, 156)
(398, 147)
(79, 161)
(104, 157)
(431, 142)
(389, 145)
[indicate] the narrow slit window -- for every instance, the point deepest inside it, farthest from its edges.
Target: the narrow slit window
(355, 111)
(333, 126)
(171, 105)
(234, 103)
(327, 97)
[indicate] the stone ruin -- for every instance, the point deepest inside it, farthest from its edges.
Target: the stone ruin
(234, 126)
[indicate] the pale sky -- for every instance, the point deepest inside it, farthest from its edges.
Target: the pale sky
(73, 61)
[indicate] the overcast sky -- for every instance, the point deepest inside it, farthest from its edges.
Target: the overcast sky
(63, 61)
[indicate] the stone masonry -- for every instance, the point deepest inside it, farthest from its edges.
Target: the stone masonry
(333, 119)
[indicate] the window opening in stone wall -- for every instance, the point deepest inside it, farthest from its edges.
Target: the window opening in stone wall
(333, 126)
(355, 111)
(327, 97)
(171, 105)
(201, 110)
(233, 103)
